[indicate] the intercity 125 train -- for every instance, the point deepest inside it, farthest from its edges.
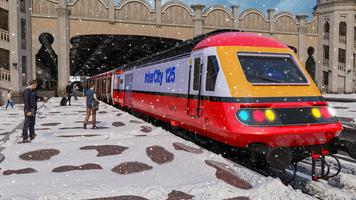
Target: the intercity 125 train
(241, 89)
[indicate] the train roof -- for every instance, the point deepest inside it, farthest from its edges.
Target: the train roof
(224, 37)
(181, 48)
(238, 39)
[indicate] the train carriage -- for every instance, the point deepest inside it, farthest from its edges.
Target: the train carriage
(242, 89)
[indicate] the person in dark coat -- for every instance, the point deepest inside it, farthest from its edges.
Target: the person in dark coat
(30, 100)
(69, 91)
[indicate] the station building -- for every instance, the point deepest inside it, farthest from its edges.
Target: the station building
(36, 37)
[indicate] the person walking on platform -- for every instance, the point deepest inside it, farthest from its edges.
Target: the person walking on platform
(9, 100)
(69, 91)
(92, 104)
(30, 100)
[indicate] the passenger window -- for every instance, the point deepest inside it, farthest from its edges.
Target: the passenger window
(211, 73)
(196, 80)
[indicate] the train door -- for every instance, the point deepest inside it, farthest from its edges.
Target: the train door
(128, 89)
(194, 94)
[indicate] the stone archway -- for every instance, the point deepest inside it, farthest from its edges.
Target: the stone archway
(46, 62)
(310, 64)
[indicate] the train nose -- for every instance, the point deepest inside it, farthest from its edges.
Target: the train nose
(279, 158)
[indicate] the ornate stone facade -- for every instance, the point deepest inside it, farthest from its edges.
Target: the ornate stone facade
(337, 43)
(177, 20)
(15, 48)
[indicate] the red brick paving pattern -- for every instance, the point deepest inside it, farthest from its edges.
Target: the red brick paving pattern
(71, 128)
(238, 198)
(42, 129)
(89, 122)
(146, 129)
(228, 175)
(159, 155)
(182, 147)
(19, 171)
(131, 167)
(106, 150)
(118, 124)
(2, 157)
(126, 197)
(136, 121)
(39, 155)
(71, 136)
(50, 124)
(178, 195)
(68, 168)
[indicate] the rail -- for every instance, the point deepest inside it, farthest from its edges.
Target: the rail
(342, 39)
(4, 35)
(4, 74)
(342, 66)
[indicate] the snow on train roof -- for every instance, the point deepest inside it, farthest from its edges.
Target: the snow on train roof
(238, 39)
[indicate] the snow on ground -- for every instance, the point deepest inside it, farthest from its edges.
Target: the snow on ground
(342, 96)
(125, 156)
(9, 119)
(345, 109)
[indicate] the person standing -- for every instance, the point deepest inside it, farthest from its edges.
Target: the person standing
(90, 99)
(30, 100)
(69, 91)
(75, 91)
(9, 100)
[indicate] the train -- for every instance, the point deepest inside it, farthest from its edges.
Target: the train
(245, 90)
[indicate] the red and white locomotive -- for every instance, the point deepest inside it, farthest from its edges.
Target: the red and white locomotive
(241, 89)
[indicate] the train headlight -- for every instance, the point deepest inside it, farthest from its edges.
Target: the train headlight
(270, 116)
(258, 116)
(243, 115)
(316, 113)
(325, 113)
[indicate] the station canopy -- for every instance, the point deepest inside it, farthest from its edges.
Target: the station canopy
(94, 54)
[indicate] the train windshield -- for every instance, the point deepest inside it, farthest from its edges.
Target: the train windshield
(271, 68)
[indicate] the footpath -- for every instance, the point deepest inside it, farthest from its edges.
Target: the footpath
(125, 158)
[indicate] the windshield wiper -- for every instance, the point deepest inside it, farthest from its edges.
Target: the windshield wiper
(268, 79)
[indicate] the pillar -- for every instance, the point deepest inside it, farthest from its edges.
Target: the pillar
(271, 15)
(198, 20)
(15, 48)
(158, 12)
(319, 51)
(29, 41)
(63, 45)
(111, 11)
(334, 52)
(235, 14)
(349, 53)
(302, 49)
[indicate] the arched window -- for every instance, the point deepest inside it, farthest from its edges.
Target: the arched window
(342, 29)
(326, 27)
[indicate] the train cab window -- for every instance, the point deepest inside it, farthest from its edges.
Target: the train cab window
(196, 79)
(212, 72)
(271, 69)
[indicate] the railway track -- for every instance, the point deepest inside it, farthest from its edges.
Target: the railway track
(322, 189)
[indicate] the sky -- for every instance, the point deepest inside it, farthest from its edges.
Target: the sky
(296, 7)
